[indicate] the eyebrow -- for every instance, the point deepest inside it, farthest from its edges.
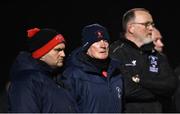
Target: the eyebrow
(59, 49)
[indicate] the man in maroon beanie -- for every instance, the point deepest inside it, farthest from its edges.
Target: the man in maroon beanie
(34, 87)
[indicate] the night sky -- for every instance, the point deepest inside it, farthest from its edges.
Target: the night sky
(69, 17)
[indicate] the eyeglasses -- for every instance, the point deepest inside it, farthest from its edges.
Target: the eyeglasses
(146, 24)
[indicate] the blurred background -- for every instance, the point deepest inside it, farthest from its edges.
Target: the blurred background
(69, 17)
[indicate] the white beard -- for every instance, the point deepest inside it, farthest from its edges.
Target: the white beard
(147, 40)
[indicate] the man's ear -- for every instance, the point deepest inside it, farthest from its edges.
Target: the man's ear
(130, 28)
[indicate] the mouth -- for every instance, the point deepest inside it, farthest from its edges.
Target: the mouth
(149, 34)
(102, 52)
(60, 60)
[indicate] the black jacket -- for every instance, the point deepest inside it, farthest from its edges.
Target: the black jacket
(177, 93)
(157, 81)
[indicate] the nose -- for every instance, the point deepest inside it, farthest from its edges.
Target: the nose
(103, 43)
(161, 43)
(62, 53)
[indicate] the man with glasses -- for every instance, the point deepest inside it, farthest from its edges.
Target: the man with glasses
(148, 79)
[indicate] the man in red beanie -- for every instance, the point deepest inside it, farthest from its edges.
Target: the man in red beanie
(35, 86)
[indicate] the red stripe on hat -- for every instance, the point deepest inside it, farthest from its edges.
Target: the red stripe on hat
(47, 47)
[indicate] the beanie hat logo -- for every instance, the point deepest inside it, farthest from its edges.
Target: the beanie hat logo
(41, 41)
(99, 34)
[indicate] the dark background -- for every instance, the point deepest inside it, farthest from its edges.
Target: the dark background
(69, 17)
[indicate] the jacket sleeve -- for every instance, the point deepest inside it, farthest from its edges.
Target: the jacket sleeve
(134, 91)
(164, 83)
(22, 97)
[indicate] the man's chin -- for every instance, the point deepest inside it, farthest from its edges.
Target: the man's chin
(148, 40)
(59, 64)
